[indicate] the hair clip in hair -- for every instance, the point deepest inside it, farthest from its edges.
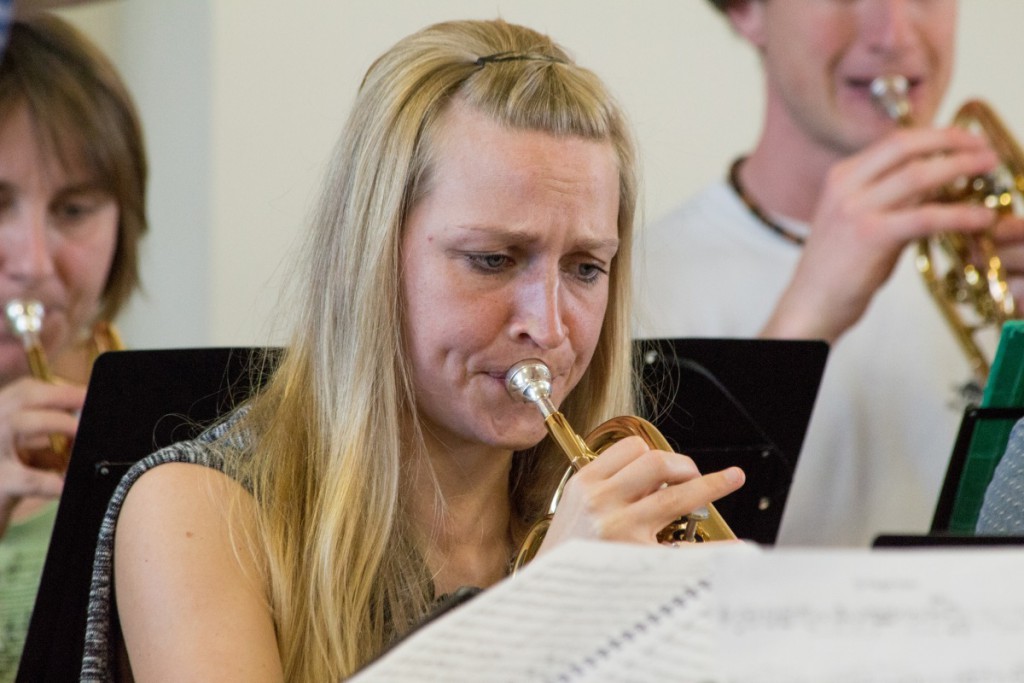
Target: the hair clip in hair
(518, 57)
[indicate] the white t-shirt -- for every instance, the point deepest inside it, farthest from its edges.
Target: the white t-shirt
(891, 399)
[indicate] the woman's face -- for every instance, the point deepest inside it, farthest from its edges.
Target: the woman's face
(505, 258)
(57, 236)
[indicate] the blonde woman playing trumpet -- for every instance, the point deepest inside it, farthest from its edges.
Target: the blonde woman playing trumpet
(478, 211)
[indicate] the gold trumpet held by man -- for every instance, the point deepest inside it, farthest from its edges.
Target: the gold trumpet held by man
(975, 281)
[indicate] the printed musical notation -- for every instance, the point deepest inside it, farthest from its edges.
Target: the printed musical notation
(732, 614)
(874, 616)
(568, 616)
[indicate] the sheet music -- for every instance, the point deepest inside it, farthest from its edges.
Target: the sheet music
(732, 614)
(882, 616)
(579, 613)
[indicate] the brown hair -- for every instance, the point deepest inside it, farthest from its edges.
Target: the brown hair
(82, 111)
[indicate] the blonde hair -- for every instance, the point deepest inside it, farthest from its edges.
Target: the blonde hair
(332, 427)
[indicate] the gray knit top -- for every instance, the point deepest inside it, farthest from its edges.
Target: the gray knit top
(99, 659)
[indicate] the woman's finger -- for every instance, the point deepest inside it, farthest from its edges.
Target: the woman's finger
(658, 509)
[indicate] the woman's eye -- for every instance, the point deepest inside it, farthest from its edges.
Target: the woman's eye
(490, 262)
(589, 272)
(71, 210)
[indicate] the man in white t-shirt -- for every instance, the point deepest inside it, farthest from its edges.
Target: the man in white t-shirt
(806, 238)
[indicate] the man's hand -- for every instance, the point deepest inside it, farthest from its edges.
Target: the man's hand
(874, 204)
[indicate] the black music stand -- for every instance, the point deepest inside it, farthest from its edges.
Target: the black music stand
(137, 402)
(744, 402)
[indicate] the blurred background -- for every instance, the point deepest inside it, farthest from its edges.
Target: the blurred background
(242, 101)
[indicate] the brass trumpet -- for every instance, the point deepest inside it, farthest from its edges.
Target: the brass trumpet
(530, 380)
(975, 279)
(25, 318)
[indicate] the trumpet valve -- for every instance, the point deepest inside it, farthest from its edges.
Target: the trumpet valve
(692, 520)
(685, 529)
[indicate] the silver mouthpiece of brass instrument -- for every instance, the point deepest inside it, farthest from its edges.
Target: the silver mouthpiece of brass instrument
(890, 92)
(530, 381)
(25, 319)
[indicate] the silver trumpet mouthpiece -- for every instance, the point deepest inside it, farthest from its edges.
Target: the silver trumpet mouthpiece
(25, 317)
(530, 381)
(890, 92)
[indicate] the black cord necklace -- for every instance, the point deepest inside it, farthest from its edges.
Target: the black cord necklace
(734, 182)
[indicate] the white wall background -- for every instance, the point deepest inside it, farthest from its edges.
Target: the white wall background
(242, 101)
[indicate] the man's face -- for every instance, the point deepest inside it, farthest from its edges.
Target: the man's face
(820, 57)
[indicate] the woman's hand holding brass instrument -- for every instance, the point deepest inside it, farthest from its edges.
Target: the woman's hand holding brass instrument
(28, 467)
(25, 318)
(530, 380)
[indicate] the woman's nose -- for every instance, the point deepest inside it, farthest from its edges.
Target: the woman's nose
(26, 249)
(539, 316)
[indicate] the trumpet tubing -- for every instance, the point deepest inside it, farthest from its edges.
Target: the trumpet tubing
(530, 380)
(975, 279)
